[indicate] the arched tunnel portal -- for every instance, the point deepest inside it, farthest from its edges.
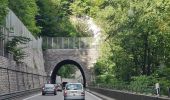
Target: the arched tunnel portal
(64, 62)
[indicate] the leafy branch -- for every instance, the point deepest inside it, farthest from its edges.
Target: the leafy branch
(1, 34)
(12, 47)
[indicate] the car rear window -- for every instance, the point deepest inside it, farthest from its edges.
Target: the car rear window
(49, 85)
(74, 87)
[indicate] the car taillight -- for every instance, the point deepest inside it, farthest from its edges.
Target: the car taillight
(82, 93)
(65, 93)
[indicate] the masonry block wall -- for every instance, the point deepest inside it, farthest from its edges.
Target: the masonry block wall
(30, 73)
(84, 57)
(15, 77)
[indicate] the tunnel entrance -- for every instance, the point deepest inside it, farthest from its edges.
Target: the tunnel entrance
(65, 62)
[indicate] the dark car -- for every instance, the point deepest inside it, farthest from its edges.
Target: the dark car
(49, 89)
(64, 84)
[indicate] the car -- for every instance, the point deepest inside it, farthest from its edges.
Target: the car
(49, 89)
(63, 84)
(74, 91)
(59, 87)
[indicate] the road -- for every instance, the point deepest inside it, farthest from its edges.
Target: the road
(59, 96)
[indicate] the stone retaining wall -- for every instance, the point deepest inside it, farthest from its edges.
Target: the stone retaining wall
(15, 77)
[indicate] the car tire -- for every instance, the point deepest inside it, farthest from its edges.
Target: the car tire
(43, 93)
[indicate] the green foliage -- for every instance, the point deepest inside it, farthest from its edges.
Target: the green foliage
(162, 76)
(136, 30)
(108, 79)
(3, 10)
(81, 27)
(79, 7)
(137, 40)
(100, 79)
(137, 36)
(26, 10)
(98, 68)
(1, 34)
(143, 84)
(12, 47)
(67, 71)
(54, 18)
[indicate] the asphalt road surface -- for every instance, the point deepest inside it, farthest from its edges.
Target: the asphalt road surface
(59, 96)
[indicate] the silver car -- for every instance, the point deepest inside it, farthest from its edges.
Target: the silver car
(74, 91)
(49, 89)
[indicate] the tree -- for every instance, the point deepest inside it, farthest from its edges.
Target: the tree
(26, 10)
(140, 29)
(54, 18)
(3, 10)
(67, 71)
(139, 35)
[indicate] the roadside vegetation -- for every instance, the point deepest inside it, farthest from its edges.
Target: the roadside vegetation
(136, 49)
(67, 71)
(135, 52)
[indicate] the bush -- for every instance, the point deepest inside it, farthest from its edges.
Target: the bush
(100, 79)
(142, 84)
(164, 85)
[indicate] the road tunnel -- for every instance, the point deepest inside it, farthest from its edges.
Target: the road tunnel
(64, 62)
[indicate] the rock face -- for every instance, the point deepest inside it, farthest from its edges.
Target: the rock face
(23, 76)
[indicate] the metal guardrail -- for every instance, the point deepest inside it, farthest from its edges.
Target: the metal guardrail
(124, 95)
(142, 90)
(146, 90)
(13, 95)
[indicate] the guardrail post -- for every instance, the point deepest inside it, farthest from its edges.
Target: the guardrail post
(52, 43)
(62, 43)
(68, 43)
(168, 91)
(9, 86)
(47, 43)
(157, 87)
(32, 80)
(79, 43)
(39, 80)
(17, 81)
(24, 80)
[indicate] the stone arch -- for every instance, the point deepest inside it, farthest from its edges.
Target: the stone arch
(64, 62)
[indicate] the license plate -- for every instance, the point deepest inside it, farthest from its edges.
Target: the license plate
(74, 92)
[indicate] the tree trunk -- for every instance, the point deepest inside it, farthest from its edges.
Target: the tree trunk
(149, 63)
(135, 61)
(145, 54)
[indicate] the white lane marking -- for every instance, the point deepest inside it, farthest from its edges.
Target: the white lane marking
(94, 96)
(31, 97)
